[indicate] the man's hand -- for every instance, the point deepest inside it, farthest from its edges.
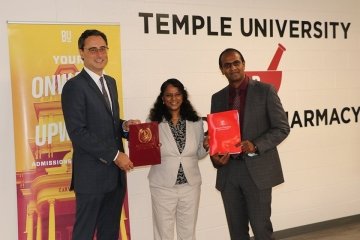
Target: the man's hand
(130, 122)
(123, 162)
(220, 160)
(247, 147)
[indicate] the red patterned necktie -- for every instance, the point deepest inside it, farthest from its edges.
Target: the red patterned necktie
(236, 103)
(236, 106)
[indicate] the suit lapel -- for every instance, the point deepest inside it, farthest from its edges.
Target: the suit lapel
(188, 137)
(248, 108)
(169, 136)
(225, 95)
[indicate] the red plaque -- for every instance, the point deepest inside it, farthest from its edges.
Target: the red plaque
(224, 132)
(144, 147)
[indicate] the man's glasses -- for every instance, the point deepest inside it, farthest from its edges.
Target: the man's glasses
(94, 50)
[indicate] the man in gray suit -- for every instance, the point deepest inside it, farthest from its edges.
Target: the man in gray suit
(245, 180)
(91, 112)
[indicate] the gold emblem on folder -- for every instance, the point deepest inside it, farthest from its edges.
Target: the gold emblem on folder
(144, 135)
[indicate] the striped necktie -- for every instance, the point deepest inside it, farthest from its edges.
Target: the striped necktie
(103, 90)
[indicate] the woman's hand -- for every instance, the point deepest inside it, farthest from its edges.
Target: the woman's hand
(206, 143)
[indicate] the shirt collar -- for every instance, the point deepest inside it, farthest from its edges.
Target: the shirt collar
(93, 75)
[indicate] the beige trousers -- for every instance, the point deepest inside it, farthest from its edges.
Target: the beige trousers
(178, 206)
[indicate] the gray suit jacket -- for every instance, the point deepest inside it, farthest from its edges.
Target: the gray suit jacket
(95, 133)
(266, 125)
(165, 173)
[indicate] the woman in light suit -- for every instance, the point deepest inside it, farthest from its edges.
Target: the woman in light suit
(175, 183)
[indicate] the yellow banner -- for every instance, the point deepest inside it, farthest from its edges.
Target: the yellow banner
(42, 58)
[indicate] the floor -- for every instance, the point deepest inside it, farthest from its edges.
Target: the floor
(349, 231)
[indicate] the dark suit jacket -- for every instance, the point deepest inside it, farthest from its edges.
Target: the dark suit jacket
(266, 125)
(95, 133)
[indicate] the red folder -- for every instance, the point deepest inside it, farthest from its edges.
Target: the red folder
(144, 147)
(224, 132)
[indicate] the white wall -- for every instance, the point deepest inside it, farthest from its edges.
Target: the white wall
(320, 163)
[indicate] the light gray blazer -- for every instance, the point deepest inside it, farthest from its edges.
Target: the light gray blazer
(165, 174)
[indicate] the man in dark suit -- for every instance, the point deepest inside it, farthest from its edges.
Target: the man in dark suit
(91, 113)
(246, 180)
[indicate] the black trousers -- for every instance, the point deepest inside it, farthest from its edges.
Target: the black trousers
(100, 213)
(244, 203)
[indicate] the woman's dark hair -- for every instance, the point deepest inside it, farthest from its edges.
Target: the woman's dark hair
(160, 111)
